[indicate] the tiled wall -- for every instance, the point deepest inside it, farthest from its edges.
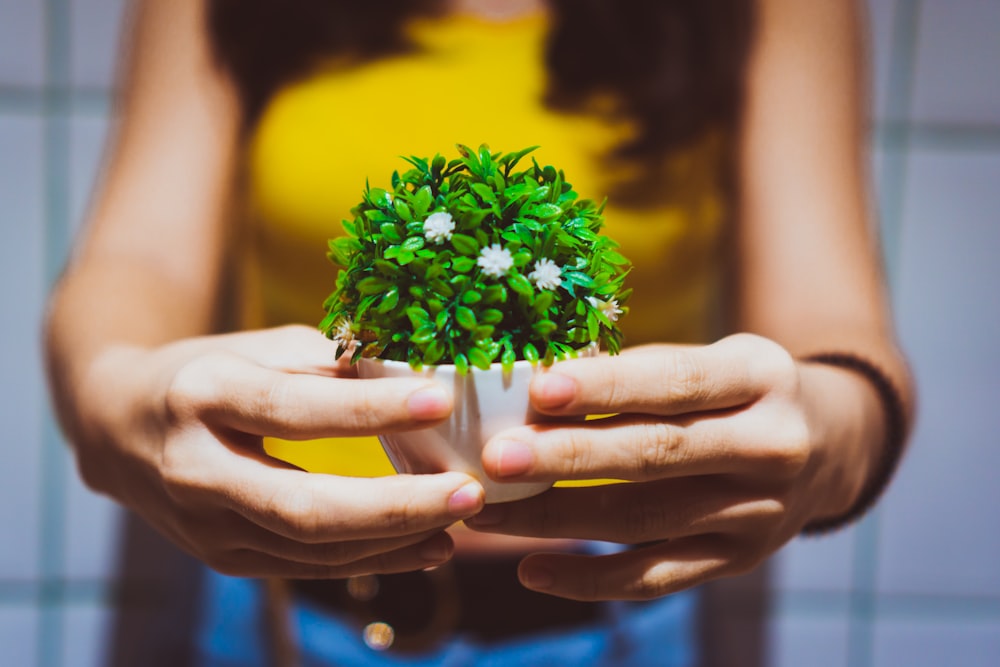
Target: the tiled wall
(915, 585)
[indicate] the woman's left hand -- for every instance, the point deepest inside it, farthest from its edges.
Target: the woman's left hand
(732, 448)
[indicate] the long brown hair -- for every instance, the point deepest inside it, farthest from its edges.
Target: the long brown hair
(674, 67)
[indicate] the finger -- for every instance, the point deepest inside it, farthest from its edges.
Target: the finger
(633, 513)
(200, 474)
(640, 574)
(654, 379)
(248, 563)
(316, 508)
(295, 348)
(248, 536)
(230, 391)
(630, 447)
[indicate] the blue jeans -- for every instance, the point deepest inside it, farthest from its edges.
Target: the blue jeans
(630, 635)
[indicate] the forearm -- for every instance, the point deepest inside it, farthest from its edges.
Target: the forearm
(104, 308)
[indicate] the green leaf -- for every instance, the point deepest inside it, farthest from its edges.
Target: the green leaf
(482, 331)
(531, 353)
(372, 285)
(388, 301)
(390, 233)
(485, 192)
(520, 284)
(422, 201)
(413, 243)
(612, 257)
(418, 316)
(479, 359)
(392, 252)
(578, 278)
(441, 320)
(463, 264)
(507, 359)
(402, 210)
(465, 244)
(546, 211)
(491, 316)
(424, 334)
(379, 197)
(593, 326)
(465, 318)
(434, 352)
(405, 257)
(495, 294)
(544, 327)
(461, 364)
(341, 251)
(387, 269)
(471, 297)
(543, 301)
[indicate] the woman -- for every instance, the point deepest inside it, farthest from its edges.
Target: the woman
(735, 446)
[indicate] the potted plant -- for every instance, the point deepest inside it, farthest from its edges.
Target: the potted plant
(478, 274)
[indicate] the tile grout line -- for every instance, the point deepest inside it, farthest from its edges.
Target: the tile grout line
(55, 110)
(902, 67)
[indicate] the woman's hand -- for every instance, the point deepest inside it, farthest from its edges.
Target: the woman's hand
(175, 433)
(733, 448)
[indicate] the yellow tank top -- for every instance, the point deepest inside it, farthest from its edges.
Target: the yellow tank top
(469, 81)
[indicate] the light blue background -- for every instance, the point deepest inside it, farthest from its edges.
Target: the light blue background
(917, 584)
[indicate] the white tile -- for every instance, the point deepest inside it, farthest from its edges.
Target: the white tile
(18, 635)
(820, 563)
(87, 633)
(936, 642)
(93, 527)
(94, 41)
(22, 43)
(958, 49)
(87, 135)
(801, 640)
(22, 392)
(939, 526)
(881, 22)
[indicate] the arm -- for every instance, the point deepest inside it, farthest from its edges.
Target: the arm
(169, 420)
(734, 447)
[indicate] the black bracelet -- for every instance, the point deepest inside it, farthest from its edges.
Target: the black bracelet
(892, 447)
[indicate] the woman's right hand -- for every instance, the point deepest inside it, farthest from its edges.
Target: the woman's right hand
(175, 433)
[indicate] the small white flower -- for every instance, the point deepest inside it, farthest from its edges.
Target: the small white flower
(495, 260)
(609, 309)
(546, 274)
(343, 334)
(438, 227)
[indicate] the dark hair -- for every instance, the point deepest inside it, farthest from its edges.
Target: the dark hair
(675, 67)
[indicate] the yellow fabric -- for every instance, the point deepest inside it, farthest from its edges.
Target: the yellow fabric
(470, 81)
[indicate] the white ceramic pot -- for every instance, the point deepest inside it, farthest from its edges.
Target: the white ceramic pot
(485, 403)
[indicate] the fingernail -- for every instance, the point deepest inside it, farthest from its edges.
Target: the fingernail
(489, 516)
(435, 549)
(536, 577)
(553, 390)
(513, 458)
(466, 500)
(429, 403)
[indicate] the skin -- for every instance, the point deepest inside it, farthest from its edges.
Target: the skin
(732, 447)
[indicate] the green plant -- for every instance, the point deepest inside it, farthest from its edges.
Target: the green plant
(466, 261)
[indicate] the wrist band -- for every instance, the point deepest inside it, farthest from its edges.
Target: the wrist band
(893, 445)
